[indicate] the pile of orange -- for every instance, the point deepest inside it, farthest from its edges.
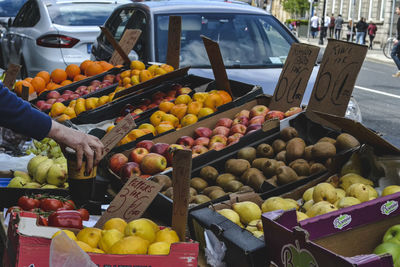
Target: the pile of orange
(45, 81)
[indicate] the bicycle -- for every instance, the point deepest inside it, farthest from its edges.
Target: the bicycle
(387, 47)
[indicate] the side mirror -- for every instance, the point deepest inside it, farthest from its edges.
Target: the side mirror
(10, 21)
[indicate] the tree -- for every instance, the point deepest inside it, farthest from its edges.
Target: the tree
(296, 7)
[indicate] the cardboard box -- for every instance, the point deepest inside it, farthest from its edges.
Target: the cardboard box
(30, 244)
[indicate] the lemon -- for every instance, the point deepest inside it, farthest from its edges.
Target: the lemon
(90, 236)
(69, 233)
(141, 228)
(115, 223)
(96, 250)
(109, 238)
(130, 245)
(167, 235)
(85, 247)
(159, 248)
(153, 224)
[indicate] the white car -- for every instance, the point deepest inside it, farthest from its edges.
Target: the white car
(51, 34)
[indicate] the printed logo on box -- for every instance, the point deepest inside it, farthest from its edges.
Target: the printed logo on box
(389, 207)
(342, 221)
(292, 255)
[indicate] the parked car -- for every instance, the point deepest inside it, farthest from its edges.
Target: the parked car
(51, 34)
(253, 43)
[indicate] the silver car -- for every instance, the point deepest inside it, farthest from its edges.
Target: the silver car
(51, 34)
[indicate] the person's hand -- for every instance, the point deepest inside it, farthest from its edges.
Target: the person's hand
(83, 144)
(395, 41)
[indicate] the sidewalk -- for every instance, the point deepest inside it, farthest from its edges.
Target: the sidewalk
(375, 55)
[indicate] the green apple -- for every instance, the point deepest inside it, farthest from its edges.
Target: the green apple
(393, 234)
(391, 248)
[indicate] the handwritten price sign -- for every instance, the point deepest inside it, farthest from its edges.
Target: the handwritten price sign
(294, 77)
(133, 199)
(336, 78)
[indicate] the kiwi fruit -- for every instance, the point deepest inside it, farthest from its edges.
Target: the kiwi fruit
(198, 183)
(216, 194)
(256, 179)
(307, 152)
(258, 163)
(278, 145)
(286, 175)
(209, 189)
(269, 168)
(192, 191)
(163, 180)
(323, 150)
(233, 186)
(281, 156)
(301, 168)
(199, 199)
(280, 163)
(316, 168)
(327, 139)
(247, 153)
(209, 174)
(273, 181)
(245, 177)
(169, 192)
(297, 161)
(265, 151)
(236, 166)
(346, 141)
(288, 133)
(295, 149)
(224, 178)
(246, 188)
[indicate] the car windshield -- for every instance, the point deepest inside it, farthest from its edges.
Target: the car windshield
(246, 41)
(10, 8)
(80, 14)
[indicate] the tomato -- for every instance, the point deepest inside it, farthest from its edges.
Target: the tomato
(49, 204)
(84, 214)
(69, 205)
(28, 203)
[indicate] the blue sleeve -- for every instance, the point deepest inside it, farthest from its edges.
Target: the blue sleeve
(19, 116)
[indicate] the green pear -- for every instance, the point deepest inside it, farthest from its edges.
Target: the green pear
(247, 210)
(347, 202)
(254, 225)
(340, 193)
(49, 186)
(353, 165)
(17, 182)
(372, 192)
(320, 208)
(41, 171)
(60, 160)
(32, 185)
(352, 178)
(308, 194)
(306, 206)
(324, 192)
(359, 191)
(23, 175)
(34, 163)
(391, 189)
(278, 203)
(301, 216)
(230, 215)
(258, 234)
(56, 175)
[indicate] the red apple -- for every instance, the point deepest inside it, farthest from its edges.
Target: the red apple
(221, 130)
(146, 101)
(217, 146)
(292, 111)
(218, 138)
(171, 93)
(259, 110)
(253, 127)
(117, 161)
(233, 139)
(198, 149)
(68, 92)
(46, 106)
(250, 132)
(80, 88)
(157, 101)
(128, 170)
(53, 94)
(202, 132)
(176, 86)
(184, 91)
(91, 88)
(205, 141)
(109, 77)
(137, 154)
(60, 99)
(51, 101)
(153, 163)
(118, 77)
(257, 120)
(241, 120)
(238, 128)
(160, 148)
(152, 105)
(170, 152)
(169, 98)
(143, 107)
(147, 144)
(158, 95)
(119, 119)
(275, 114)
(73, 96)
(243, 113)
(40, 103)
(226, 122)
(186, 141)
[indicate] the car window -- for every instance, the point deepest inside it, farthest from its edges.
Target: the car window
(245, 41)
(28, 15)
(10, 8)
(80, 14)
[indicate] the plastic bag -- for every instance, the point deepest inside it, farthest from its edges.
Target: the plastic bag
(214, 250)
(64, 252)
(11, 142)
(8, 162)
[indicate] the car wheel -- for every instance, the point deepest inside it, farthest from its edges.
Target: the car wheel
(23, 72)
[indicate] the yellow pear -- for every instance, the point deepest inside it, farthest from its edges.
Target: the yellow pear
(130, 245)
(247, 211)
(254, 225)
(352, 178)
(278, 203)
(231, 215)
(359, 191)
(308, 194)
(340, 193)
(391, 189)
(324, 192)
(306, 206)
(372, 192)
(320, 208)
(141, 228)
(301, 216)
(347, 202)
(258, 234)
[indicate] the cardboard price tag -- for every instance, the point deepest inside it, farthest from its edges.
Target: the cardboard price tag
(132, 201)
(115, 45)
(123, 127)
(294, 77)
(11, 75)
(174, 41)
(127, 43)
(337, 76)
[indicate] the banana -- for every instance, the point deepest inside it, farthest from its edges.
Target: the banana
(41, 171)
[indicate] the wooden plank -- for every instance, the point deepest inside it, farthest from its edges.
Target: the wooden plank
(174, 41)
(127, 43)
(115, 45)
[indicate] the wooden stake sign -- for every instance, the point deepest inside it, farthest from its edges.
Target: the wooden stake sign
(11, 75)
(217, 65)
(182, 167)
(174, 41)
(25, 94)
(294, 77)
(115, 45)
(127, 43)
(132, 201)
(337, 76)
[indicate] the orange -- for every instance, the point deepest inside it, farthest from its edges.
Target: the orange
(72, 70)
(79, 77)
(105, 65)
(52, 86)
(84, 65)
(58, 75)
(44, 75)
(19, 84)
(29, 79)
(93, 69)
(66, 82)
(226, 97)
(38, 84)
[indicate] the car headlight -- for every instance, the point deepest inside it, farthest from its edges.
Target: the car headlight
(353, 111)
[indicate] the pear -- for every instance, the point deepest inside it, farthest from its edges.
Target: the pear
(352, 178)
(372, 192)
(23, 175)
(60, 160)
(41, 171)
(308, 194)
(324, 192)
(32, 185)
(391, 189)
(247, 211)
(347, 202)
(258, 234)
(306, 206)
(353, 165)
(230, 215)
(278, 203)
(56, 175)
(291, 203)
(34, 163)
(17, 182)
(340, 193)
(359, 191)
(301, 216)
(49, 186)
(254, 225)
(320, 208)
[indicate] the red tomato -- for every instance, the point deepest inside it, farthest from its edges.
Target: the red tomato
(50, 204)
(69, 205)
(84, 214)
(28, 203)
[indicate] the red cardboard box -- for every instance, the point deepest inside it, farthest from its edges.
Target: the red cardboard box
(29, 245)
(346, 237)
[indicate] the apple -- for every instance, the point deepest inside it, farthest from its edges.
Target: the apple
(391, 248)
(73, 96)
(158, 101)
(91, 88)
(275, 114)
(46, 106)
(243, 113)
(259, 110)
(146, 101)
(142, 107)
(238, 128)
(205, 141)
(128, 170)
(118, 77)
(170, 153)
(138, 111)
(257, 120)
(80, 88)
(184, 91)
(217, 146)
(109, 77)
(234, 138)
(158, 96)
(176, 86)
(202, 132)
(51, 101)
(171, 93)
(292, 111)
(186, 141)
(253, 127)
(68, 92)
(392, 234)
(218, 138)
(198, 149)
(241, 120)
(226, 122)
(160, 148)
(152, 105)
(221, 130)
(53, 94)
(169, 98)
(117, 161)
(147, 144)
(40, 103)
(60, 100)
(95, 82)
(138, 154)
(153, 163)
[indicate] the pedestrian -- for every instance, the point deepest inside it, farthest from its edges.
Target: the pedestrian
(19, 116)
(314, 25)
(325, 24)
(361, 30)
(338, 26)
(396, 46)
(371, 33)
(331, 26)
(351, 31)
